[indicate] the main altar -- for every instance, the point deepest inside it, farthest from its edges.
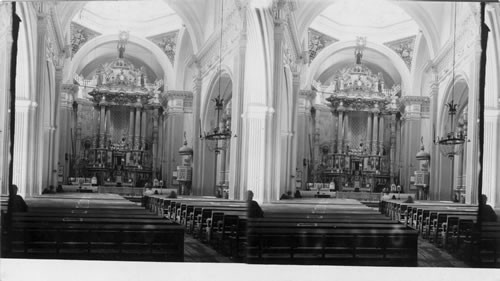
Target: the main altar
(361, 153)
(124, 136)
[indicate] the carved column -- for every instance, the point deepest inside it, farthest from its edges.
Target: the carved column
(393, 147)
(108, 126)
(155, 142)
(137, 130)
(340, 134)
(375, 134)
(347, 132)
(381, 133)
(368, 141)
(143, 129)
(102, 126)
(131, 128)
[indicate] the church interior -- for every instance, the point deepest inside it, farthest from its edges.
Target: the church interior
(366, 132)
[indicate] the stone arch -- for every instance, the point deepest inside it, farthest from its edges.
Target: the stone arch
(449, 175)
(329, 51)
(214, 163)
(164, 63)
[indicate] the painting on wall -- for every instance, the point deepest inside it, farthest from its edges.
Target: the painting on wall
(167, 43)
(404, 48)
(317, 42)
(79, 36)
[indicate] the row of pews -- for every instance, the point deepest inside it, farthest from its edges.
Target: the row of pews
(220, 223)
(90, 227)
(451, 226)
(337, 232)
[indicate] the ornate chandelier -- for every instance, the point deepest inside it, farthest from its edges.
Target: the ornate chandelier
(219, 136)
(453, 142)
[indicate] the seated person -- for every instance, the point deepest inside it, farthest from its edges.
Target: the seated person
(172, 194)
(286, 196)
(16, 202)
(254, 210)
(297, 194)
(59, 188)
(487, 212)
(409, 200)
(49, 190)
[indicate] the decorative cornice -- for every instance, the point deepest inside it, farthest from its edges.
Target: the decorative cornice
(167, 43)
(307, 94)
(178, 94)
(69, 88)
(415, 107)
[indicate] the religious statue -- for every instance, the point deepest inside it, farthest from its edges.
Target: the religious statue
(121, 50)
(358, 55)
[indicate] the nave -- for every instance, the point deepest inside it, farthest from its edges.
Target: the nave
(203, 229)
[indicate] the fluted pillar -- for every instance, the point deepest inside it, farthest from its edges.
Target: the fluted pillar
(381, 133)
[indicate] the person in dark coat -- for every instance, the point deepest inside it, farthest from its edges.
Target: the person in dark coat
(487, 212)
(297, 194)
(254, 210)
(16, 202)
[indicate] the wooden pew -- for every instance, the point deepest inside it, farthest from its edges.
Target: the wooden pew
(96, 241)
(332, 246)
(483, 248)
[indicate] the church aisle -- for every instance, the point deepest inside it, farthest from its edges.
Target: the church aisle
(431, 256)
(195, 251)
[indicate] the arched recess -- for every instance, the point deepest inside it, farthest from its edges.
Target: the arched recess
(329, 52)
(416, 10)
(216, 166)
(183, 52)
(86, 54)
(452, 171)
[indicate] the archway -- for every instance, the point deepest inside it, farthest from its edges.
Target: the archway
(453, 170)
(216, 154)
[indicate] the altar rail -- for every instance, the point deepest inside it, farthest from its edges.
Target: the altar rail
(361, 196)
